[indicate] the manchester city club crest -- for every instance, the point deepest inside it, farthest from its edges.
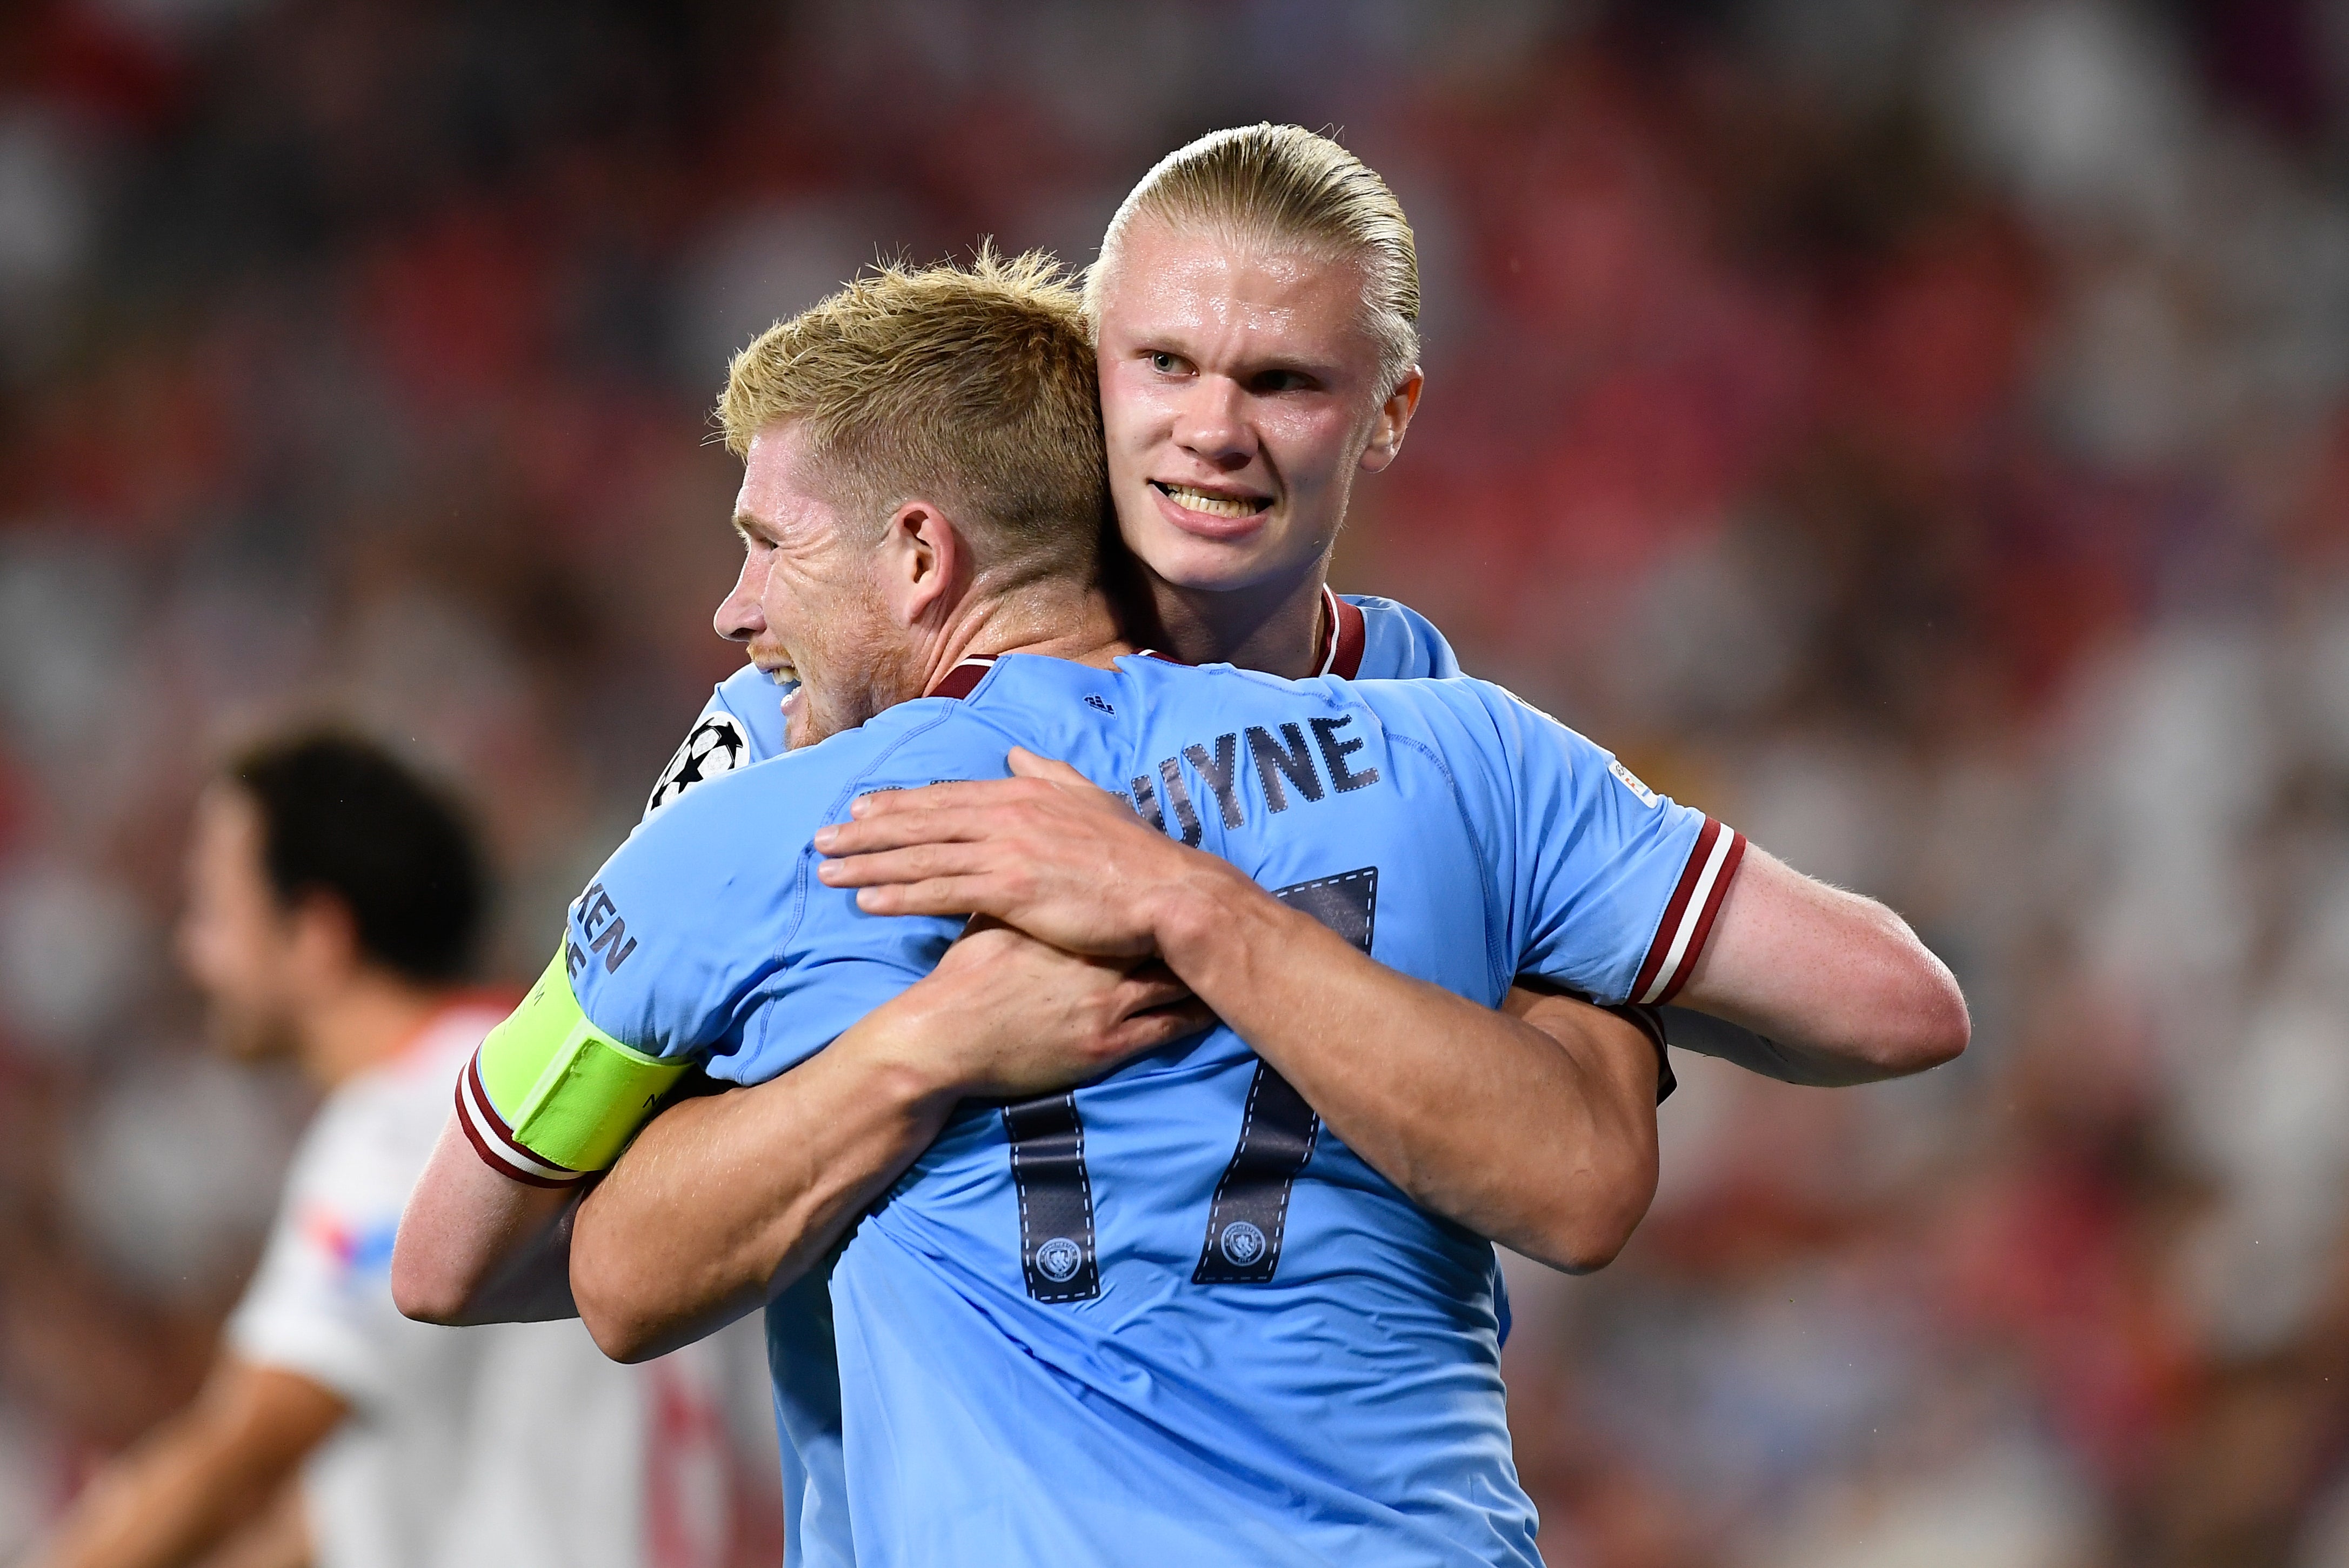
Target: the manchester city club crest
(717, 746)
(1241, 1244)
(1058, 1259)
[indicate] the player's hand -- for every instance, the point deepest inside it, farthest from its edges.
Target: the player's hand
(1043, 851)
(1020, 1018)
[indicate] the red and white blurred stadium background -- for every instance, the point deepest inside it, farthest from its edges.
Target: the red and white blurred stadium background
(1917, 432)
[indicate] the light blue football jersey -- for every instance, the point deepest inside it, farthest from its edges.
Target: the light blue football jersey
(1168, 1316)
(1363, 636)
(743, 723)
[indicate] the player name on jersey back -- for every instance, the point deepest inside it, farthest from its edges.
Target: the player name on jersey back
(1284, 768)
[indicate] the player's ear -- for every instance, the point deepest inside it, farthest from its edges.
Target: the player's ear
(1394, 419)
(923, 564)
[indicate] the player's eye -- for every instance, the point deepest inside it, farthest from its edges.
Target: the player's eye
(1166, 364)
(1280, 381)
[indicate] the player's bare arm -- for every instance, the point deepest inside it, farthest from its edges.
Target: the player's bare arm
(1839, 986)
(1836, 985)
(201, 1477)
(476, 1245)
(699, 1222)
(1426, 1087)
(722, 1201)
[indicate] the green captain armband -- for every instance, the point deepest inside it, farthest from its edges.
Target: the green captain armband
(577, 1094)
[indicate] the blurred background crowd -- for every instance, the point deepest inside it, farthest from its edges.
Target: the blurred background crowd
(1917, 432)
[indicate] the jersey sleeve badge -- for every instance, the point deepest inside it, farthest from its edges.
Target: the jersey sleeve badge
(1631, 780)
(717, 745)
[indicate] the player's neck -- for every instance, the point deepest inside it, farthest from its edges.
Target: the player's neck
(368, 1020)
(1053, 618)
(1275, 627)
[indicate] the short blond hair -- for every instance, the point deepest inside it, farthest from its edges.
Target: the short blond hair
(972, 386)
(1282, 185)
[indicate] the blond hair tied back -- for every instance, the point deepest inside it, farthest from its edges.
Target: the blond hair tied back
(1282, 186)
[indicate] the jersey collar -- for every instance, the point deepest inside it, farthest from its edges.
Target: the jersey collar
(1344, 633)
(1342, 638)
(963, 679)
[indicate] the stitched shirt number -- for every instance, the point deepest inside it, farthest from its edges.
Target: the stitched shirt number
(1250, 1213)
(1249, 1216)
(1056, 1197)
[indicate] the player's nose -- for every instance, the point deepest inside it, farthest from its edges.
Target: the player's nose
(1213, 426)
(738, 617)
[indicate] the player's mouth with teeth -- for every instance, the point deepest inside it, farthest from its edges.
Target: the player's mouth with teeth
(775, 662)
(1199, 500)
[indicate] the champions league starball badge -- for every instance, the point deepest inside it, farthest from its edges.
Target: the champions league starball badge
(717, 746)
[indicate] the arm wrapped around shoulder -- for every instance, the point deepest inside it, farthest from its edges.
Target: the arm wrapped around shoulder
(550, 1097)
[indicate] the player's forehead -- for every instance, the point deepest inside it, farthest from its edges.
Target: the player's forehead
(1212, 288)
(784, 492)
